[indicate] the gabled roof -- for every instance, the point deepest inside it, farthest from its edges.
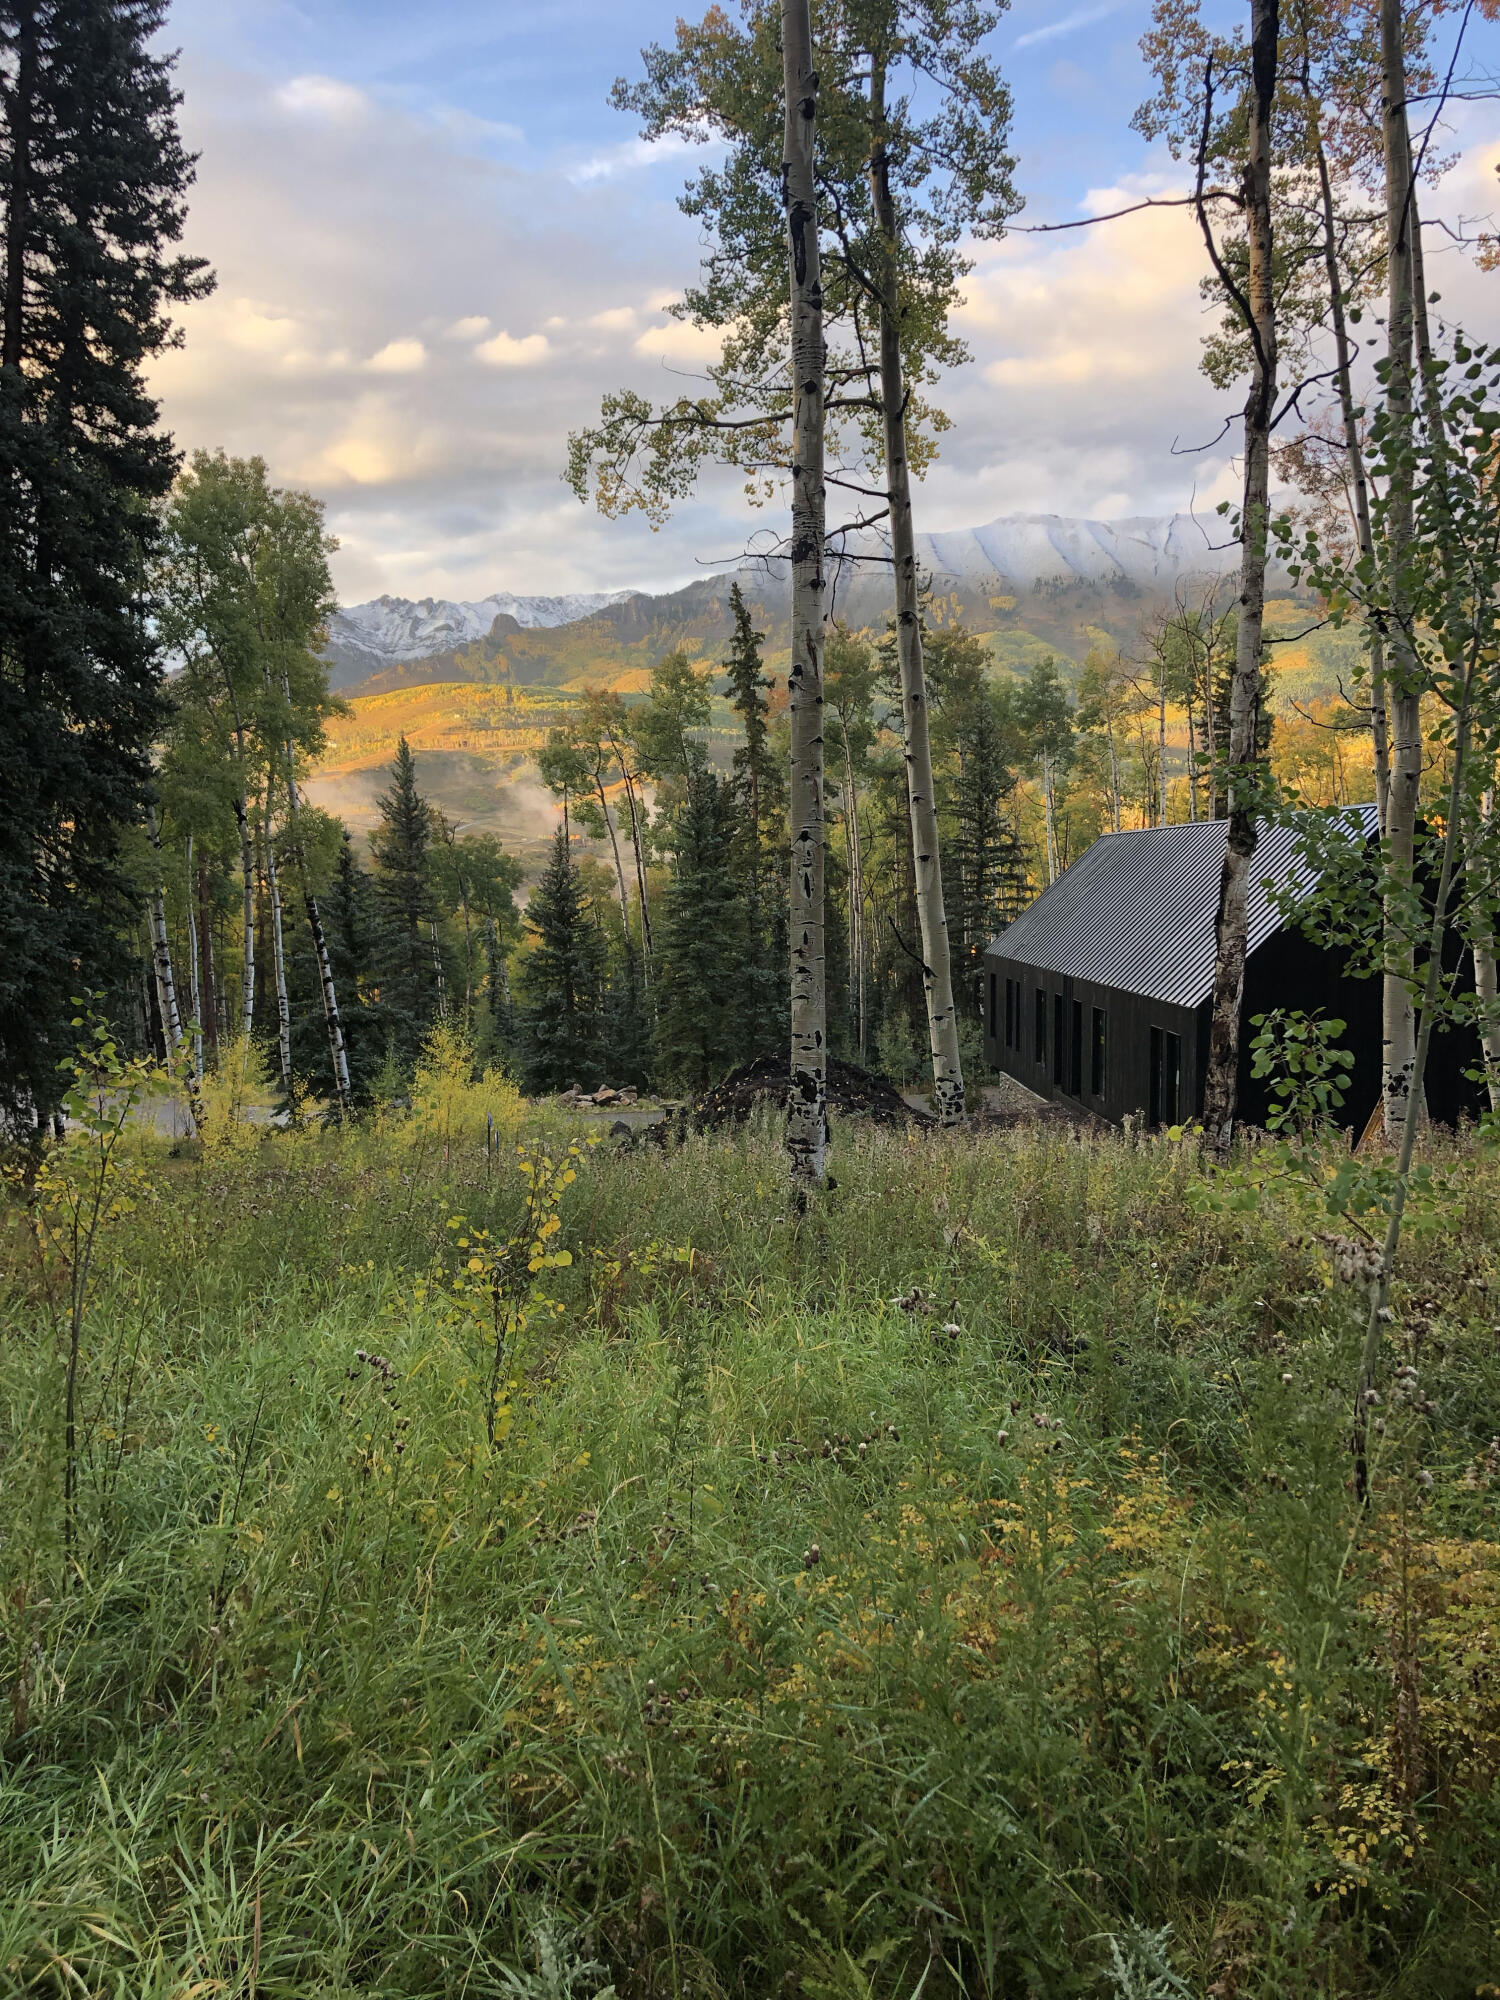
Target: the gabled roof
(1137, 911)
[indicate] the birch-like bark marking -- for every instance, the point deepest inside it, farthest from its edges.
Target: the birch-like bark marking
(195, 989)
(278, 956)
(166, 984)
(337, 1049)
(1221, 1082)
(1359, 485)
(932, 916)
(247, 882)
(1398, 1016)
(807, 1098)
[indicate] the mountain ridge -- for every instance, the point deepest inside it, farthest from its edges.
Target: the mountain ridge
(1046, 558)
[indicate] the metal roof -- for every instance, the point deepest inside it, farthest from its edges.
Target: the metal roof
(1137, 911)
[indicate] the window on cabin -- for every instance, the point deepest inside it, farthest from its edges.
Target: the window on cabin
(1010, 1013)
(993, 989)
(1166, 1077)
(1041, 1026)
(1075, 1082)
(1096, 1058)
(1058, 1031)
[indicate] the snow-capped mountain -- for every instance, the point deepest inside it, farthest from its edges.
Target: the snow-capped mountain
(387, 630)
(1026, 551)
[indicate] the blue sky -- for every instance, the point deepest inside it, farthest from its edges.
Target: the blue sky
(437, 245)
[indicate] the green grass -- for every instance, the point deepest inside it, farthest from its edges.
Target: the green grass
(756, 1660)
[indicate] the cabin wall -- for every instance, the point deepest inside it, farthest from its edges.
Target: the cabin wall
(1127, 1055)
(1288, 970)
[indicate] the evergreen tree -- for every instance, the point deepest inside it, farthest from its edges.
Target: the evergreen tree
(701, 1007)
(759, 841)
(985, 855)
(404, 899)
(93, 178)
(561, 981)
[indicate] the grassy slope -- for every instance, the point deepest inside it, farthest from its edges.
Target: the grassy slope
(757, 1660)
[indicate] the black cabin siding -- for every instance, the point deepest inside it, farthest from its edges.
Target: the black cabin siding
(1128, 1021)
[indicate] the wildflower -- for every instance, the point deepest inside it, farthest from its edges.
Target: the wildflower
(1286, 1375)
(812, 1556)
(1001, 1436)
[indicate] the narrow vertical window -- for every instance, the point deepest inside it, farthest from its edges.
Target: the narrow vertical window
(1010, 1013)
(1096, 1059)
(1041, 1026)
(1171, 1079)
(1057, 1039)
(1075, 1079)
(1153, 1111)
(993, 985)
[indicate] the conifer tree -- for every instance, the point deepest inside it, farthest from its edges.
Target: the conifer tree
(93, 180)
(701, 1005)
(406, 903)
(562, 981)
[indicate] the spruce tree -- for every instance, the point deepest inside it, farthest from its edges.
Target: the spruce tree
(562, 981)
(984, 853)
(406, 903)
(93, 180)
(701, 1006)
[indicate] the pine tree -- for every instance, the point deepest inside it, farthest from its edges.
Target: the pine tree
(93, 178)
(986, 858)
(701, 1005)
(562, 981)
(406, 903)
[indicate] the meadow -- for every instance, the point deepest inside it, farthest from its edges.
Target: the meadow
(957, 1590)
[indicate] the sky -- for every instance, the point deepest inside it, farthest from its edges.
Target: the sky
(437, 246)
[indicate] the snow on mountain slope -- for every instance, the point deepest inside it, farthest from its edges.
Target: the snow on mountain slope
(391, 629)
(1028, 550)
(1018, 552)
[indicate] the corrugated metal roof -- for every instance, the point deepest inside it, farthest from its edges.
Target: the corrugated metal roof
(1137, 911)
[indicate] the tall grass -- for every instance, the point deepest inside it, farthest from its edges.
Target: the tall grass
(958, 1592)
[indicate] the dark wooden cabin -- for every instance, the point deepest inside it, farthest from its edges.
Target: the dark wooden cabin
(1098, 995)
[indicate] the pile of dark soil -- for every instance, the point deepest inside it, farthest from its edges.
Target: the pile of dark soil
(852, 1093)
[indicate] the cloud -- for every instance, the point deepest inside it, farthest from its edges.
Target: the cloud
(442, 476)
(323, 97)
(1081, 17)
(504, 352)
(398, 357)
(678, 341)
(632, 155)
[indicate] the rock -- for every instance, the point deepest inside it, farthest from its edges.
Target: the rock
(604, 1095)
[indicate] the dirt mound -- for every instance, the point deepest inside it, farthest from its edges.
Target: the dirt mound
(852, 1093)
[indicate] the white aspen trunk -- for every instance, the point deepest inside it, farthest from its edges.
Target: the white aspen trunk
(807, 1097)
(438, 973)
(856, 895)
(166, 985)
(1398, 1015)
(337, 1048)
(932, 917)
(614, 848)
(278, 956)
(1359, 485)
(195, 991)
(1161, 747)
(1221, 1080)
(640, 864)
(1049, 821)
(247, 878)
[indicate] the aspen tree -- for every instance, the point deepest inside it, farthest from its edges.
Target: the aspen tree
(937, 966)
(807, 1097)
(901, 192)
(166, 984)
(1242, 775)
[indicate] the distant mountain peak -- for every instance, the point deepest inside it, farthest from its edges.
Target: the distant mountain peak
(387, 630)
